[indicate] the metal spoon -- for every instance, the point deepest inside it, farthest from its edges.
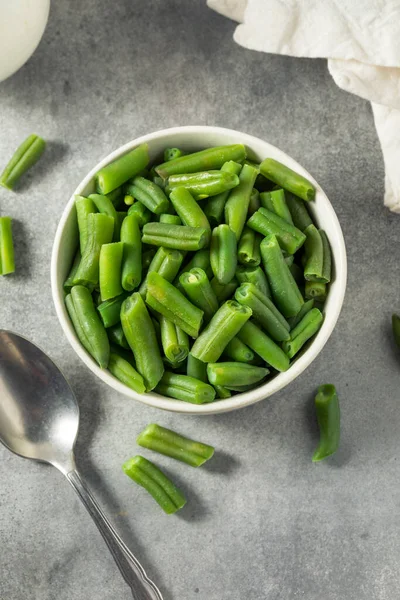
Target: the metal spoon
(39, 418)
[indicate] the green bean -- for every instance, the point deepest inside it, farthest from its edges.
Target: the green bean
(166, 263)
(84, 340)
(264, 311)
(147, 257)
(230, 374)
(100, 229)
(26, 155)
(123, 370)
(249, 248)
(171, 219)
(211, 158)
(174, 341)
(68, 283)
(285, 292)
(275, 202)
(261, 344)
(287, 178)
(187, 208)
(116, 336)
(223, 253)
(238, 352)
(141, 212)
(300, 217)
(307, 306)
(308, 326)
(149, 194)
(200, 259)
(104, 205)
(140, 334)
(110, 270)
(266, 222)
(204, 184)
(125, 167)
(315, 290)
(187, 389)
(237, 205)
(314, 252)
(328, 416)
(196, 368)
(132, 255)
(214, 208)
(163, 297)
(199, 291)
(172, 153)
(179, 237)
(95, 338)
(110, 310)
(254, 275)
(223, 291)
(224, 325)
(146, 474)
(327, 265)
(176, 446)
(222, 392)
(7, 262)
(84, 206)
(121, 215)
(254, 203)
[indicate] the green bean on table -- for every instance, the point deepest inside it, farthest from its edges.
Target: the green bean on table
(26, 155)
(7, 262)
(328, 416)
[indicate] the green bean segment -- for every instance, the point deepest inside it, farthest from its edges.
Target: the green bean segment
(110, 270)
(199, 291)
(264, 311)
(214, 208)
(7, 263)
(185, 388)
(249, 248)
(298, 211)
(84, 206)
(178, 237)
(131, 274)
(255, 275)
(175, 341)
(234, 374)
(223, 291)
(166, 263)
(123, 370)
(211, 158)
(196, 368)
(141, 212)
(187, 208)
(26, 155)
(125, 167)
(308, 326)
(205, 184)
(110, 310)
(315, 290)
(223, 253)
(275, 201)
(328, 416)
(149, 194)
(268, 223)
(287, 178)
(261, 344)
(167, 442)
(100, 229)
(237, 351)
(237, 205)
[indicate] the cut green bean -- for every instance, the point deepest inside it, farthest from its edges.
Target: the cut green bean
(116, 336)
(308, 326)
(196, 368)
(285, 292)
(178, 237)
(146, 474)
(94, 337)
(234, 374)
(187, 389)
(123, 370)
(68, 283)
(261, 344)
(172, 153)
(132, 255)
(7, 262)
(187, 208)
(141, 212)
(140, 334)
(204, 184)
(167, 442)
(166, 299)
(223, 291)
(175, 341)
(84, 206)
(327, 265)
(211, 158)
(222, 392)
(149, 194)
(83, 338)
(287, 178)
(125, 167)
(328, 416)
(110, 265)
(100, 229)
(201, 260)
(223, 253)
(224, 325)
(314, 252)
(166, 263)
(264, 311)
(26, 155)
(104, 205)
(110, 310)
(254, 275)
(315, 290)
(199, 291)
(268, 223)
(275, 202)
(171, 219)
(237, 351)
(300, 217)
(237, 205)
(214, 208)
(254, 203)
(249, 248)
(307, 306)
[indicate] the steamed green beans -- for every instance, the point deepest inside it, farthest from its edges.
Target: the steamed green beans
(130, 235)
(110, 270)
(328, 416)
(149, 194)
(178, 237)
(203, 185)
(211, 158)
(123, 370)
(308, 326)
(237, 205)
(187, 208)
(199, 291)
(125, 167)
(100, 229)
(185, 388)
(234, 374)
(264, 311)
(214, 208)
(223, 253)
(266, 222)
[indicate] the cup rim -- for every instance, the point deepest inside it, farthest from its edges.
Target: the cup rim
(240, 400)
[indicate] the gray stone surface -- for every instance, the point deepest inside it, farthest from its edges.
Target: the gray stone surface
(262, 522)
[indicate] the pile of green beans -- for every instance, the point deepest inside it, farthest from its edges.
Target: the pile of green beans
(200, 277)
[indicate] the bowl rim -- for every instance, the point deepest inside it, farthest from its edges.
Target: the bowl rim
(239, 400)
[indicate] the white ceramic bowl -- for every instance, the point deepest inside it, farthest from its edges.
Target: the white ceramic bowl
(192, 139)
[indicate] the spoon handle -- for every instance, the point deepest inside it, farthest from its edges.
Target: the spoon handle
(132, 571)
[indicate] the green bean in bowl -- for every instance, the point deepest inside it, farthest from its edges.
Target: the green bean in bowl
(208, 282)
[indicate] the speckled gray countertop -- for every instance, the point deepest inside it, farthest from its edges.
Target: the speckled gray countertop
(262, 522)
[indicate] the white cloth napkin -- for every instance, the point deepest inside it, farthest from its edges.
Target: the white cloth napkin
(360, 39)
